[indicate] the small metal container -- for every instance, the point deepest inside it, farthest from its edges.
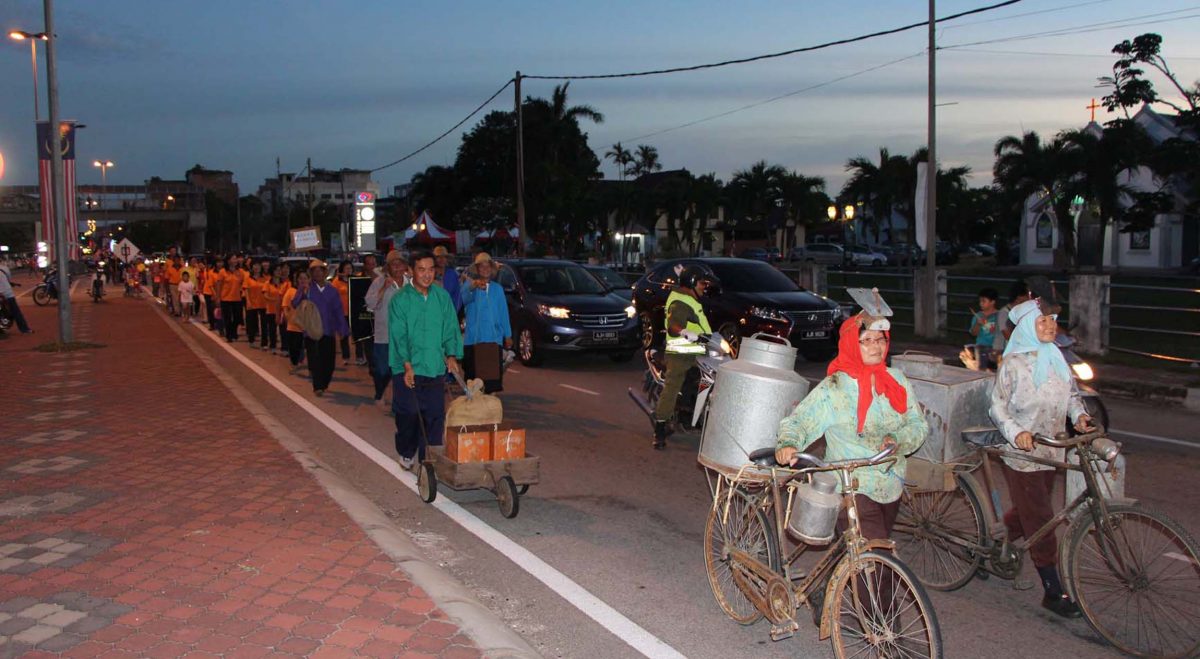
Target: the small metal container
(955, 399)
(918, 365)
(815, 509)
(770, 351)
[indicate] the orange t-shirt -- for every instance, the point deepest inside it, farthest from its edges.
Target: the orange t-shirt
(288, 312)
(174, 275)
(343, 289)
(254, 294)
(231, 286)
(271, 296)
(206, 276)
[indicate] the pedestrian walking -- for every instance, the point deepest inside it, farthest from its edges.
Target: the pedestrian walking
(424, 343)
(272, 295)
(173, 274)
(333, 321)
(256, 305)
(229, 290)
(341, 282)
(207, 290)
(378, 298)
(487, 325)
(9, 299)
(187, 296)
(293, 334)
(446, 276)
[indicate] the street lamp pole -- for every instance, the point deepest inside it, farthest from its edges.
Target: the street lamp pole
(62, 241)
(33, 38)
(103, 165)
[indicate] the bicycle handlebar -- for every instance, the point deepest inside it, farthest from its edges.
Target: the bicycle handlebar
(821, 465)
(1063, 440)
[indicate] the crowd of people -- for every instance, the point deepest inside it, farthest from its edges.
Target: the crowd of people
(419, 316)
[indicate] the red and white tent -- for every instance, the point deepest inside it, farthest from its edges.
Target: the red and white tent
(425, 230)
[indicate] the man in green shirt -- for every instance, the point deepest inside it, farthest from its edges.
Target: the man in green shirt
(424, 343)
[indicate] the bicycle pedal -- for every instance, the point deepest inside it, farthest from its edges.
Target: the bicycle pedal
(1022, 584)
(784, 631)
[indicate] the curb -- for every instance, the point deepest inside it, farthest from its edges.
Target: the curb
(494, 637)
(1192, 400)
(1149, 391)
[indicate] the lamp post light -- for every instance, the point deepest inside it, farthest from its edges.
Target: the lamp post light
(844, 214)
(103, 165)
(33, 38)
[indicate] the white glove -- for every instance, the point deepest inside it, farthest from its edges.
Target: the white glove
(690, 335)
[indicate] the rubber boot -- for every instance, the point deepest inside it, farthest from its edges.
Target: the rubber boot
(1055, 600)
(660, 435)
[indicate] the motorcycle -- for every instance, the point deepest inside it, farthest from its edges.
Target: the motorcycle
(46, 291)
(97, 291)
(697, 384)
(6, 320)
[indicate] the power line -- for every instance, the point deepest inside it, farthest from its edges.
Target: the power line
(451, 130)
(777, 98)
(1109, 56)
(1028, 13)
(1131, 21)
(805, 49)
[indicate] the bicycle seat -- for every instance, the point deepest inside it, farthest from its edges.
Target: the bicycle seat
(983, 437)
(763, 457)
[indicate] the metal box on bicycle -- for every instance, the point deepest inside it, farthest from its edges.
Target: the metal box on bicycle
(952, 398)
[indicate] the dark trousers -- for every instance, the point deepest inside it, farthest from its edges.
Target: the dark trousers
(471, 353)
(254, 324)
(424, 403)
(677, 369)
(1030, 495)
(381, 370)
(320, 361)
(209, 310)
(231, 317)
(14, 310)
(345, 343)
(294, 342)
(875, 520)
(268, 334)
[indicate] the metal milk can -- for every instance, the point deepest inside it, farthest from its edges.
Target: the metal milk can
(815, 509)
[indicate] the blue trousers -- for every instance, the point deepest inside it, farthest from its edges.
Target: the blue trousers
(424, 403)
(381, 371)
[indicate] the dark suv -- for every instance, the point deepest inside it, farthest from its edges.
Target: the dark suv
(751, 297)
(559, 305)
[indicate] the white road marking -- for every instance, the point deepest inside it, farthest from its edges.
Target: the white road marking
(595, 608)
(1154, 438)
(580, 389)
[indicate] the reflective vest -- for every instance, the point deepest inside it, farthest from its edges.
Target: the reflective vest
(678, 344)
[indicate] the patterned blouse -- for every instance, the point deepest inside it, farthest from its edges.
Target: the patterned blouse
(831, 410)
(1019, 405)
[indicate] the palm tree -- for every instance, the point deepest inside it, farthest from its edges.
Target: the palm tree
(621, 157)
(881, 187)
(1028, 166)
(562, 113)
(646, 160)
(804, 198)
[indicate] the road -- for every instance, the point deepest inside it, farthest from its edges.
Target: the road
(616, 519)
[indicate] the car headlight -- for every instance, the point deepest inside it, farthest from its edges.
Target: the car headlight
(554, 312)
(768, 313)
(631, 311)
(1083, 371)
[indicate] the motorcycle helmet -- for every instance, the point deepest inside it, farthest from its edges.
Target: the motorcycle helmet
(692, 275)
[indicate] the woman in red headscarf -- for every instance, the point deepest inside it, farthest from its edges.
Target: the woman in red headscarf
(859, 408)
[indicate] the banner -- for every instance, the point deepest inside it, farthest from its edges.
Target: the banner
(66, 146)
(918, 238)
(305, 239)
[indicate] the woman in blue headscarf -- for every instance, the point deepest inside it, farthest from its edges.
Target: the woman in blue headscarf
(1033, 394)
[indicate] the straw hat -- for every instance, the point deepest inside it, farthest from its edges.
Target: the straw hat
(441, 250)
(482, 257)
(316, 263)
(394, 256)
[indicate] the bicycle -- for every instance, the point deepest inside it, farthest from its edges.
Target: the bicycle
(863, 598)
(1134, 572)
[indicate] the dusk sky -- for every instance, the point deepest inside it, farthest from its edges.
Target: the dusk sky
(231, 85)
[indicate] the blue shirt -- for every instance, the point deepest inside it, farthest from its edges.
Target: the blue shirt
(487, 314)
(329, 304)
(453, 287)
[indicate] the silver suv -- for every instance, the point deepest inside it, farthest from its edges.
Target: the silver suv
(821, 253)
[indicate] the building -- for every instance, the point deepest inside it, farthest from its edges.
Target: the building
(331, 187)
(1172, 241)
(217, 181)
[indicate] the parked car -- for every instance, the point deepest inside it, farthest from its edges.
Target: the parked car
(820, 253)
(611, 280)
(982, 249)
(748, 297)
(560, 306)
(774, 254)
(861, 255)
(757, 254)
(903, 254)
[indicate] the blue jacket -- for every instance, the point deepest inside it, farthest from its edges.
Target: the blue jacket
(453, 287)
(329, 303)
(487, 315)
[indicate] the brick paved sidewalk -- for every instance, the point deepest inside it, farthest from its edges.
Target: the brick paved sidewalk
(145, 513)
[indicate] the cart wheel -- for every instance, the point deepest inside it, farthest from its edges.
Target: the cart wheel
(427, 482)
(507, 497)
(522, 489)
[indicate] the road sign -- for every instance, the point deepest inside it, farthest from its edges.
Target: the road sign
(126, 250)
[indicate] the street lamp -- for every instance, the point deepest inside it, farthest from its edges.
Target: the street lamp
(103, 165)
(33, 38)
(845, 213)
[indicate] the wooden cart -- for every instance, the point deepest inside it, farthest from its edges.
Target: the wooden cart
(507, 479)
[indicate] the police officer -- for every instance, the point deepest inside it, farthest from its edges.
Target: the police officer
(685, 323)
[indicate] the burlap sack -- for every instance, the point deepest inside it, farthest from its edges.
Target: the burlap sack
(478, 409)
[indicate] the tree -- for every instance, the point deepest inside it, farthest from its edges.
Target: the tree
(1027, 166)
(645, 160)
(755, 191)
(804, 199)
(1129, 87)
(881, 187)
(621, 157)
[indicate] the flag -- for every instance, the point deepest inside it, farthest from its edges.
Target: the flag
(66, 146)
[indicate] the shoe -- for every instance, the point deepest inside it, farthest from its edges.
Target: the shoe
(660, 435)
(407, 463)
(345, 362)
(28, 331)
(1061, 606)
(361, 361)
(319, 392)
(384, 405)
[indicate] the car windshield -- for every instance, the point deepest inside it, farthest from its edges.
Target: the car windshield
(556, 279)
(609, 277)
(751, 278)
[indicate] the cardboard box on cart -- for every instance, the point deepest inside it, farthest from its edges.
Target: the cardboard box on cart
(508, 442)
(469, 443)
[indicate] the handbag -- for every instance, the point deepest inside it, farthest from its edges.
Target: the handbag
(308, 317)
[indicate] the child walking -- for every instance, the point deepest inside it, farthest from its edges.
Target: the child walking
(187, 296)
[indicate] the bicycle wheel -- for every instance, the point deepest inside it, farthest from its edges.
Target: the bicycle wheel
(1138, 585)
(881, 610)
(41, 296)
(746, 528)
(938, 534)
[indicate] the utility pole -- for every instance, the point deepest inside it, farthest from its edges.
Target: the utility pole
(520, 169)
(62, 241)
(280, 201)
(929, 309)
(238, 202)
(310, 192)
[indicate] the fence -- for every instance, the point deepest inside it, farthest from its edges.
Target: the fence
(1172, 336)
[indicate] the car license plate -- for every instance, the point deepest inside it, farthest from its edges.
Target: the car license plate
(817, 334)
(604, 337)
